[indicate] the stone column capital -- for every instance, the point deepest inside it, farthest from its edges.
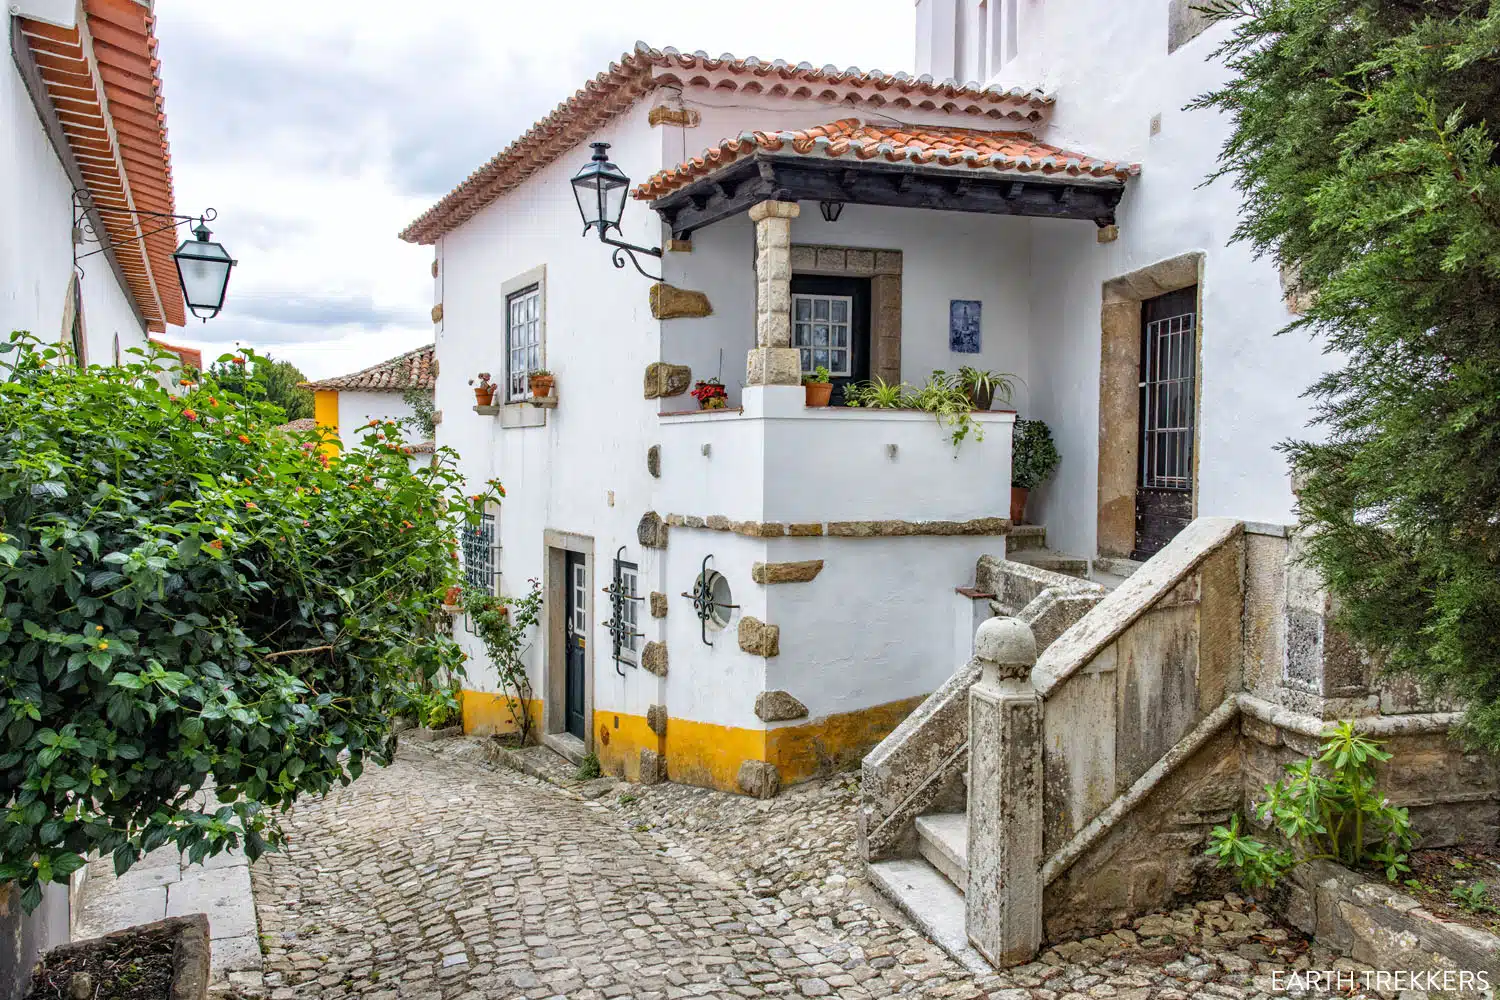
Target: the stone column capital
(1005, 649)
(774, 210)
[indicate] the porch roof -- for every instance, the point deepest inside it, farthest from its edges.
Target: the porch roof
(957, 169)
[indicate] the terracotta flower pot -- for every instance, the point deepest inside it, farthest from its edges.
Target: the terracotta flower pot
(818, 392)
(1018, 495)
(484, 397)
(541, 386)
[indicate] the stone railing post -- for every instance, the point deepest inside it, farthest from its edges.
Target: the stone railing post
(773, 361)
(1004, 894)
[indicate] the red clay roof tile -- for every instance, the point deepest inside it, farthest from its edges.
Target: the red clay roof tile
(412, 370)
(644, 69)
(1010, 152)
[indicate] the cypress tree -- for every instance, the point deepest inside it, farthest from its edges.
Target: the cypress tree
(1364, 143)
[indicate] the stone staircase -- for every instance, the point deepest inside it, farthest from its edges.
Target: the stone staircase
(1027, 544)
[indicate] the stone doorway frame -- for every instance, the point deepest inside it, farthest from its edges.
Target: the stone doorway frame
(883, 268)
(557, 545)
(1119, 391)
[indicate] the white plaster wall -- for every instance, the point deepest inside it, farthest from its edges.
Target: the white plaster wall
(1109, 81)
(36, 224)
(599, 338)
(357, 409)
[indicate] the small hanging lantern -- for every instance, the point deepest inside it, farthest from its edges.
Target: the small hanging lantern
(203, 268)
(600, 189)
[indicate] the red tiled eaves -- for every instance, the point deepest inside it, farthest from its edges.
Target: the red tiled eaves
(1010, 152)
(104, 81)
(644, 69)
(412, 370)
(191, 357)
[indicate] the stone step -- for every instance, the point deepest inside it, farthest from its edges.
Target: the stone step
(943, 839)
(1109, 572)
(933, 903)
(1025, 536)
(1057, 562)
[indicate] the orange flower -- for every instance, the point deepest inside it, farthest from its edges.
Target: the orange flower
(244, 439)
(216, 544)
(189, 414)
(238, 361)
(250, 506)
(304, 524)
(103, 645)
(212, 401)
(184, 381)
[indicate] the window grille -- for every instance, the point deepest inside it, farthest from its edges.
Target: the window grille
(480, 543)
(1167, 431)
(821, 332)
(523, 340)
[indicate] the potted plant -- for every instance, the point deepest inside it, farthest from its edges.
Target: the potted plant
(1032, 461)
(984, 387)
(484, 389)
(710, 394)
(819, 386)
(541, 382)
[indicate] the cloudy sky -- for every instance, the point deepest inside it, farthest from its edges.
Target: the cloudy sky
(320, 128)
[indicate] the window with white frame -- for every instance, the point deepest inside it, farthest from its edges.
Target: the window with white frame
(580, 599)
(821, 328)
(630, 611)
(523, 340)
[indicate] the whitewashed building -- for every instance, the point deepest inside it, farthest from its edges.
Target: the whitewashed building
(1058, 199)
(344, 404)
(83, 161)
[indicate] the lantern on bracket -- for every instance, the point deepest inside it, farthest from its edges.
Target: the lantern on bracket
(600, 189)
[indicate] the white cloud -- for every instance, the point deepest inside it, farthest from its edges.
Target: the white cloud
(320, 128)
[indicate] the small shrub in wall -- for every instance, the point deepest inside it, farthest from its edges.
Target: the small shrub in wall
(504, 625)
(192, 598)
(1329, 808)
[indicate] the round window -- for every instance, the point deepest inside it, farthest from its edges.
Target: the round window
(716, 586)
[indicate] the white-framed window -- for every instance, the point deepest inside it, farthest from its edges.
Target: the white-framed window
(580, 585)
(523, 340)
(821, 329)
(630, 611)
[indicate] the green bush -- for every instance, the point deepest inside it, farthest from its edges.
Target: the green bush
(190, 597)
(1033, 456)
(1328, 808)
(504, 625)
(1364, 141)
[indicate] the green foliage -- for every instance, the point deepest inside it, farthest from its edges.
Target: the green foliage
(189, 598)
(1473, 897)
(818, 374)
(260, 378)
(1364, 143)
(589, 769)
(877, 394)
(431, 702)
(976, 382)
(423, 410)
(1329, 808)
(945, 396)
(504, 625)
(1033, 456)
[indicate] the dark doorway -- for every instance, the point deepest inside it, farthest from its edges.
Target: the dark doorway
(831, 327)
(1169, 392)
(575, 632)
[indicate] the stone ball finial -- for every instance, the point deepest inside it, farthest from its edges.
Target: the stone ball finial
(1007, 643)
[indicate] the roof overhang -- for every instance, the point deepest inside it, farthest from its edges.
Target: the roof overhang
(771, 177)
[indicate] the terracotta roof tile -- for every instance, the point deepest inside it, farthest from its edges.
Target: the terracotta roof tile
(104, 81)
(412, 370)
(191, 357)
(301, 424)
(1009, 152)
(644, 69)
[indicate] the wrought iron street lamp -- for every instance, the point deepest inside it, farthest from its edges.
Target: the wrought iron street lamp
(203, 268)
(600, 189)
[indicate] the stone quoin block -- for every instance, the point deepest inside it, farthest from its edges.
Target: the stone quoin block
(653, 461)
(804, 530)
(773, 366)
(669, 302)
(651, 531)
(434, 268)
(786, 572)
(656, 720)
(653, 766)
(658, 604)
(663, 380)
(759, 639)
(759, 778)
(437, 313)
(778, 706)
(654, 658)
(665, 114)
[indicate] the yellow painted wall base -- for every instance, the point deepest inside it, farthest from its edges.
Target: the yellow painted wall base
(700, 753)
(487, 714)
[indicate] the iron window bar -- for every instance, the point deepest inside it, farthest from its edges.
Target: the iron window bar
(704, 602)
(1168, 386)
(480, 546)
(618, 626)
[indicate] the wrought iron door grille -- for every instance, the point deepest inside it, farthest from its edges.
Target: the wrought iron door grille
(479, 553)
(1167, 410)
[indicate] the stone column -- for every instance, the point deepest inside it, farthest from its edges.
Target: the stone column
(773, 361)
(1004, 894)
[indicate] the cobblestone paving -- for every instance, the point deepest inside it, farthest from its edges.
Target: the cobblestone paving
(445, 877)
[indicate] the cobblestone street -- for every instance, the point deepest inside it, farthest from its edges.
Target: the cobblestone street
(445, 876)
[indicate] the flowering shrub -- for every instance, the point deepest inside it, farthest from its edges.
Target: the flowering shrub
(193, 597)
